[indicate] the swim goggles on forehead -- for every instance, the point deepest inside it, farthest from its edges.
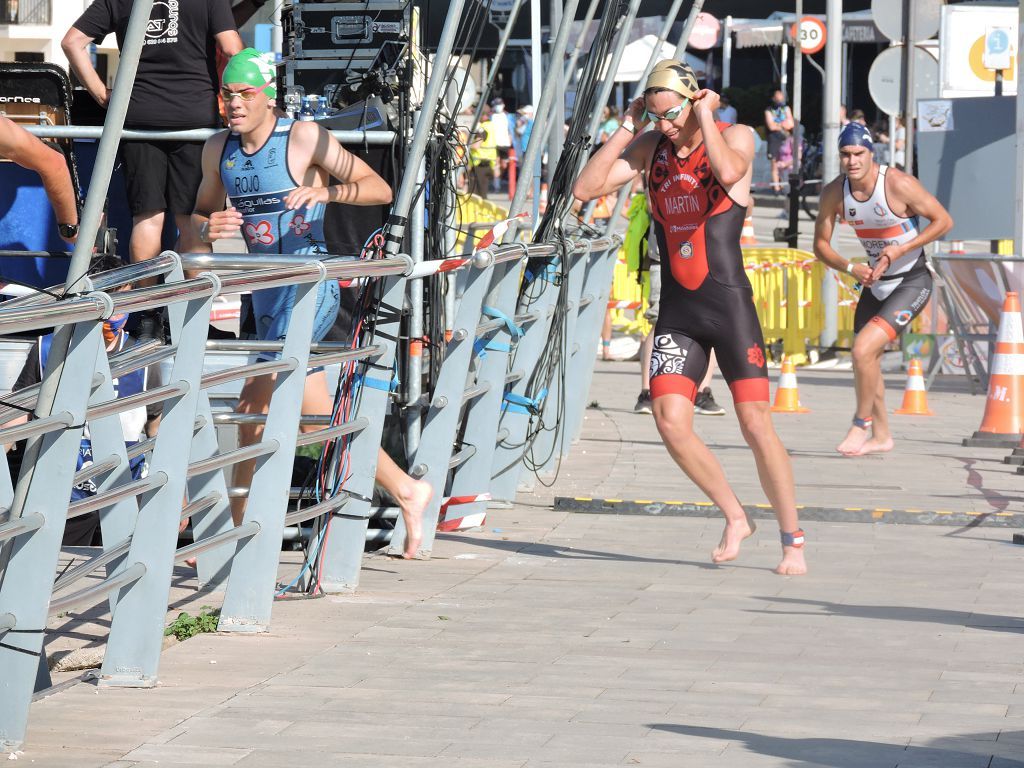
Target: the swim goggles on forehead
(247, 95)
(670, 115)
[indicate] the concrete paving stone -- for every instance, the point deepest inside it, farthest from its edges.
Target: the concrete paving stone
(182, 754)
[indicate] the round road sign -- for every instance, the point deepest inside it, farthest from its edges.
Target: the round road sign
(810, 35)
(885, 80)
(888, 17)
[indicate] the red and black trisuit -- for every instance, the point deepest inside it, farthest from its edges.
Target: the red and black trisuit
(706, 299)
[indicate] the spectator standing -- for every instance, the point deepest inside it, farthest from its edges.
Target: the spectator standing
(609, 124)
(523, 129)
(778, 120)
(175, 89)
(502, 127)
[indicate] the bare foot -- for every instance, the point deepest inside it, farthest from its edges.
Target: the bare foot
(733, 535)
(874, 445)
(413, 501)
(792, 562)
(853, 441)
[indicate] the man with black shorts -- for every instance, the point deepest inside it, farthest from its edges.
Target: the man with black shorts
(698, 179)
(882, 204)
(175, 89)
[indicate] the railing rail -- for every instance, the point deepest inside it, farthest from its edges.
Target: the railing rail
(141, 515)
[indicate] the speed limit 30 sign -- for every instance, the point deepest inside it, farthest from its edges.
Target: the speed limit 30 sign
(810, 35)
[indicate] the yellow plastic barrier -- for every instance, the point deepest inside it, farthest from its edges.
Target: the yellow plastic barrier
(473, 209)
(787, 294)
(630, 295)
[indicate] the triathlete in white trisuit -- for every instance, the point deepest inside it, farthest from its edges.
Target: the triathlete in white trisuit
(882, 204)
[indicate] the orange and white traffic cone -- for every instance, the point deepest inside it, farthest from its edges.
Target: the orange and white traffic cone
(915, 397)
(787, 398)
(747, 236)
(1003, 422)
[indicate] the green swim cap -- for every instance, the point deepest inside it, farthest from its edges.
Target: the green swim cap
(250, 67)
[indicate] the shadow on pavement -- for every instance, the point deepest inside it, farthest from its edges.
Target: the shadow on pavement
(572, 553)
(906, 613)
(849, 753)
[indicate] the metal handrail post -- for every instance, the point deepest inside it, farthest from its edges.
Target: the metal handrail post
(346, 533)
(508, 463)
(249, 596)
(414, 359)
(600, 269)
(27, 579)
(107, 439)
(136, 636)
(212, 565)
(552, 444)
(473, 477)
(441, 423)
(395, 228)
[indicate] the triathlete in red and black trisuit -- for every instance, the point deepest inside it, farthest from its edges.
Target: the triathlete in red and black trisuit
(706, 298)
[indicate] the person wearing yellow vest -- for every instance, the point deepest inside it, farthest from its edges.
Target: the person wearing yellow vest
(483, 158)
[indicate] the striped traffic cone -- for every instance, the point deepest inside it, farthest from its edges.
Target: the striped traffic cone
(915, 397)
(787, 399)
(747, 236)
(1003, 422)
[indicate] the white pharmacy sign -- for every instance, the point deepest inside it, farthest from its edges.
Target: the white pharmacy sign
(976, 42)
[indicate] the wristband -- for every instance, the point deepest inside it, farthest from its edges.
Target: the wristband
(629, 126)
(204, 232)
(849, 267)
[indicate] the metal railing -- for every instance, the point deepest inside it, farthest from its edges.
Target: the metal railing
(487, 366)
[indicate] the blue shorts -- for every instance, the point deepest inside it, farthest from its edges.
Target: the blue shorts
(272, 309)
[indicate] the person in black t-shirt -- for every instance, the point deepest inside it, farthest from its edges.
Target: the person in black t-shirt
(175, 89)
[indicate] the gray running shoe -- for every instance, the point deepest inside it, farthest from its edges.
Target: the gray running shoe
(643, 403)
(705, 404)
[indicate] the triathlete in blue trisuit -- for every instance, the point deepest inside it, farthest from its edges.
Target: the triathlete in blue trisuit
(882, 204)
(276, 173)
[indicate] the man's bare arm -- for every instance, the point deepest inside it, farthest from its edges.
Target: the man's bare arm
(209, 219)
(920, 202)
(75, 45)
(824, 225)
(359, 183)
(26, 150)
(229, 42)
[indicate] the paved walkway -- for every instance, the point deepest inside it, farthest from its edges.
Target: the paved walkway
(552, 638)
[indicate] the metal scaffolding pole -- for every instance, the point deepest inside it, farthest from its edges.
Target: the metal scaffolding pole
(570, 67)
(395, 229)
(555, 134)
(909, 104)
(798, 96)
(544, 112)
(89, 225)
(830, 155)
(506, 34)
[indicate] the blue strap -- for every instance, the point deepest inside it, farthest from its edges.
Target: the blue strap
(382, 384)
(481, 345)
(514, 330)
(549, 273)
(522, 404)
